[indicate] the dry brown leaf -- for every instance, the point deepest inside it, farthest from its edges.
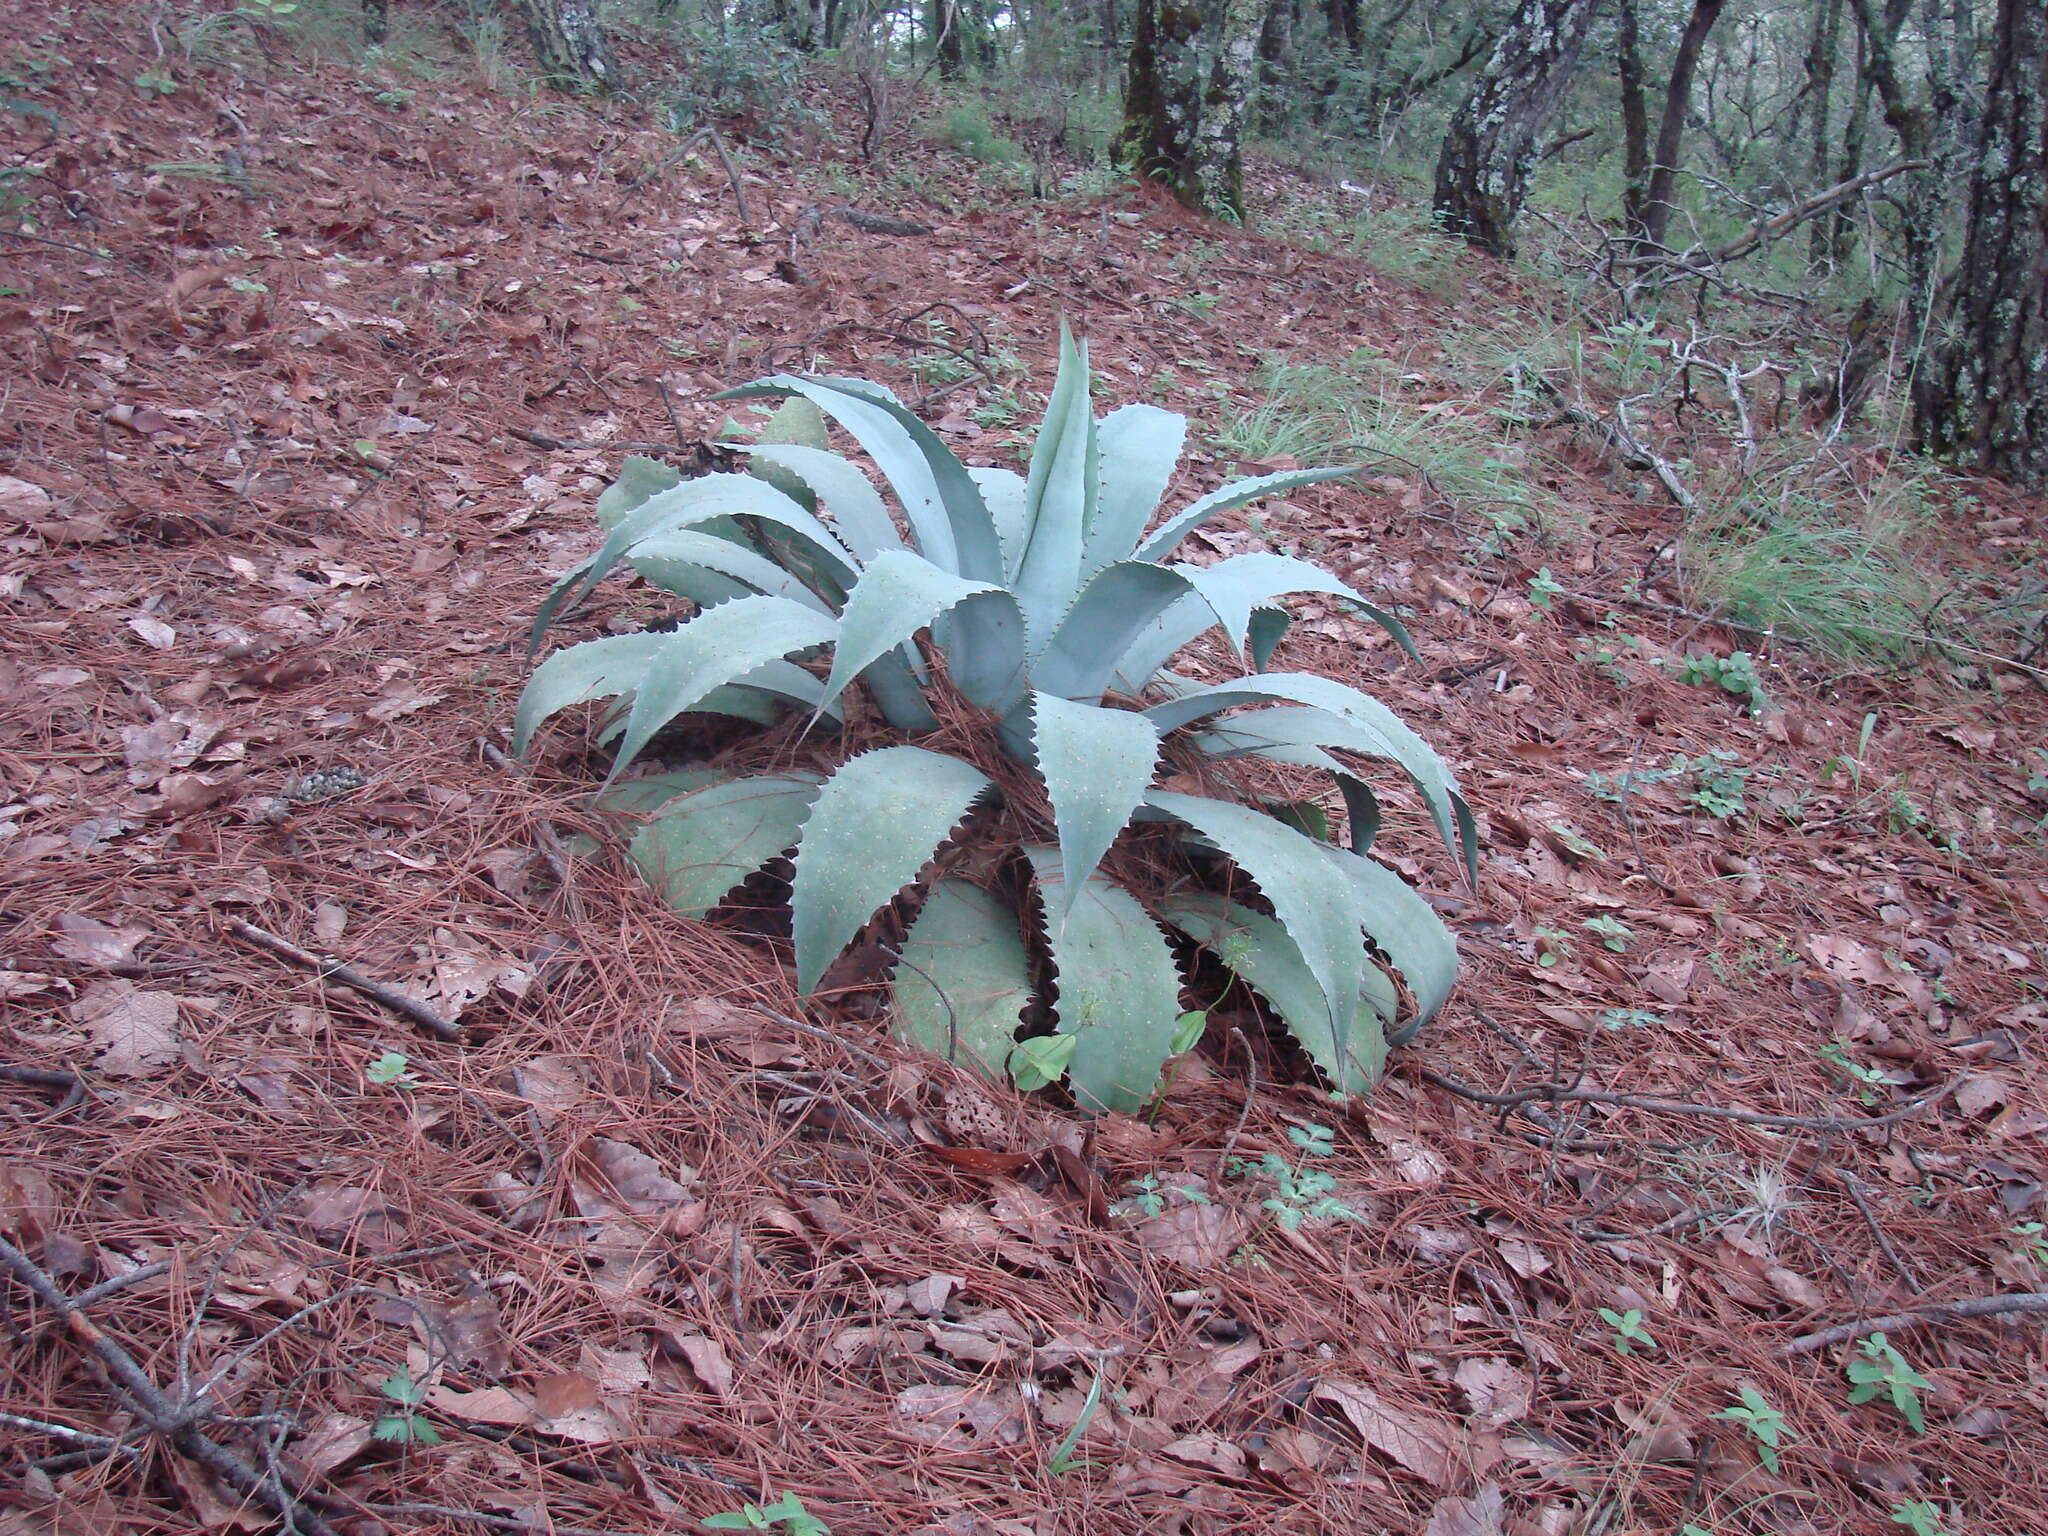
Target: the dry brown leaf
(961, 1417)
(1205, 1450)
(1498, 1390)
(89, 940)
(1194, 1236)
(491, 1405)
(638, 1179)
(1421, 1443)
(1482, 1514)
(136, 1032)
(707, 1360)
(334, 1439)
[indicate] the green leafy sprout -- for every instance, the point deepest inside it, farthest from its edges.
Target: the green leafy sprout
(1920, 1517)
(403, 1426)
(1301, 1195)
(390, 1070)
(1044, 607)
(787, 1513)
(1755, 1414)
(1629, 1332)
(1612, 932)
(1878, 1369)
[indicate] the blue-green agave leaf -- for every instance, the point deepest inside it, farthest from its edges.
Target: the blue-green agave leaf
(1360, 724)
(897, 595)
(1407, 930)
(950, 521)
(1059, 499)
(1265, 957)
(1235, 587)
(1004, 491)
(1162, 541)
(711, 840)
(1311, 901)
(688, 505)
(1138, 446)
(644, 796)
(963, 979)
(639, 478)
(597, 669)
(679, 560)
(1117, 991)
(717, 647)
(877, 822)
(1118, 605)
(1096, 764)
(855, 506)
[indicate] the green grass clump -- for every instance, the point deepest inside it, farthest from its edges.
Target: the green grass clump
(1826, 564)
(968, 129)
(1322, 415)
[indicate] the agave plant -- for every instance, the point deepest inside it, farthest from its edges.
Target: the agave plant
(1045, 603)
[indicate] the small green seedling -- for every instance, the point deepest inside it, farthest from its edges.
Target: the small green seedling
(1883, 1370)
(403, 1426)
(1300, 1194)
(1629, 1331)
(1630, 1018)
(1868, 1080)
(787, 1512)
(2033, 1236)
(1734, 674)
(1612, 932)
(1544, 589)
(1041, 1060)
(1553, 947)
(390, 1071)
(1755, 1414)
(1920, 1517)
(1063, 1459)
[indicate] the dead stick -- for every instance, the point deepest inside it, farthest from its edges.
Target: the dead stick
(1552, 1093)
(327, 968)
(176, 1422)
(1898, 1322)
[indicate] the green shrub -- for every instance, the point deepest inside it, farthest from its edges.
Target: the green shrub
(1048, 618)
(968, 129)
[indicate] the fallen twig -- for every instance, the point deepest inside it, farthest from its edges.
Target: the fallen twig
(1921, 1317)
(1560, 1093)
(327, 968)
(177, 1423)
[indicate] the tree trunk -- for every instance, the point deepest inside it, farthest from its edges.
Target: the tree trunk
(1926, 192)
(1276, 59)
(1657, 209)
(1482, 173)
(1820, 87)
(376, 22)
(943, 21)
(568, 44)
(1216, 168)
(1983, 396)
(1185, 96)
(1635, 119)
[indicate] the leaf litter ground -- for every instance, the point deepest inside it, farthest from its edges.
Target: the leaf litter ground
(643, 1243)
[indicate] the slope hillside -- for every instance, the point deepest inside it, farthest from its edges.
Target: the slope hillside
(313, 379)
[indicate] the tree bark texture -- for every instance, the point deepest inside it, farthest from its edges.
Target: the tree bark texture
(1983, 395)
(568, 43)
(1635, 117)
(1657, 207)
(1482, 173)
(1186, 96)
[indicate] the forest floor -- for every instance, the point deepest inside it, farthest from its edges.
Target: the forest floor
(641, 1244)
